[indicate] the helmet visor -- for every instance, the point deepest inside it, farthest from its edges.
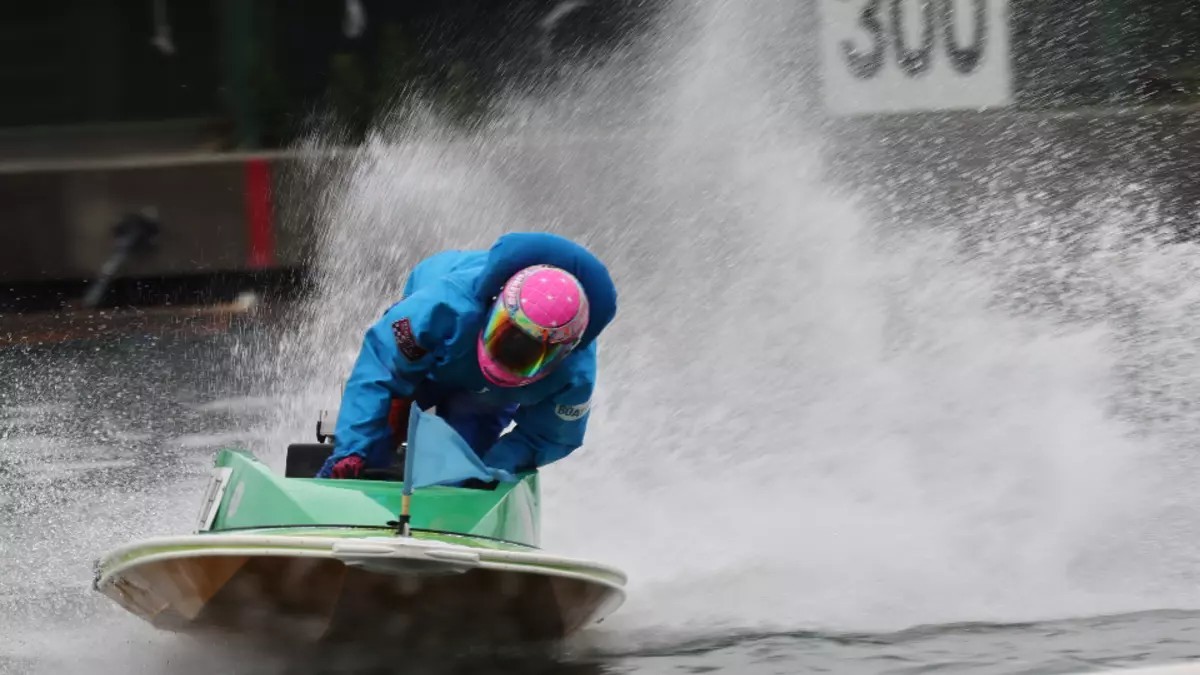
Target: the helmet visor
(516, 351)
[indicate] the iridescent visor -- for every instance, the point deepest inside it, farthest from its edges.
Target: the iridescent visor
(515, 350)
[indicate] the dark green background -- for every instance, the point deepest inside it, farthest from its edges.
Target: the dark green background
(262, 71)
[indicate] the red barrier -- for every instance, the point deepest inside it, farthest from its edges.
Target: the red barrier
(260, 252)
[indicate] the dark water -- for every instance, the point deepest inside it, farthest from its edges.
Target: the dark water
(107, 443)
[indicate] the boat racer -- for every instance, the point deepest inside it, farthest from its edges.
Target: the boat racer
(487, 338)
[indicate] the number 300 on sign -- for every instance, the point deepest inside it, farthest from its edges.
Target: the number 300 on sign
(908, 55)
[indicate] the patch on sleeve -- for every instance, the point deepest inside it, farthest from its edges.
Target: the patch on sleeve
(572, 413)
(406, 341)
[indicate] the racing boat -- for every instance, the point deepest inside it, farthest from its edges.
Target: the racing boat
(293, 559)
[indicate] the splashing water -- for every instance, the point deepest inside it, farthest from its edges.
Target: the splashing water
(805, 419)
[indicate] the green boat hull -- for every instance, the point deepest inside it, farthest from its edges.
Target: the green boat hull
(251, 497)
(301, 559)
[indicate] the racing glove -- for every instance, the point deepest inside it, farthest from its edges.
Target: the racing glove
(348, 467)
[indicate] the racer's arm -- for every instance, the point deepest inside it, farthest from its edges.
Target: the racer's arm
(394, 358)
(545, 432)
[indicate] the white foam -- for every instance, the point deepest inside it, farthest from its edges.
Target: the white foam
(804, 421)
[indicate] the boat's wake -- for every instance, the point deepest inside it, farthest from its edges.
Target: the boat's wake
(809, 415)
(651, 643)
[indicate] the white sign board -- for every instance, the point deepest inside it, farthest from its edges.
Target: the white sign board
(911, 55)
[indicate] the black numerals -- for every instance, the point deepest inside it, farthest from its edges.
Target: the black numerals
(913, 61)
(964, 59)
(866, 65)
(865, 56)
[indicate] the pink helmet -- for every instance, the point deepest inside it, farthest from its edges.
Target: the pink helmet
(537, 320)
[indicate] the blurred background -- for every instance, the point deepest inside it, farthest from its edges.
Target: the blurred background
(142, 141)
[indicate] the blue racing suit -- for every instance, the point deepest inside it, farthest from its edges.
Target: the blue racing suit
(424, 349)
